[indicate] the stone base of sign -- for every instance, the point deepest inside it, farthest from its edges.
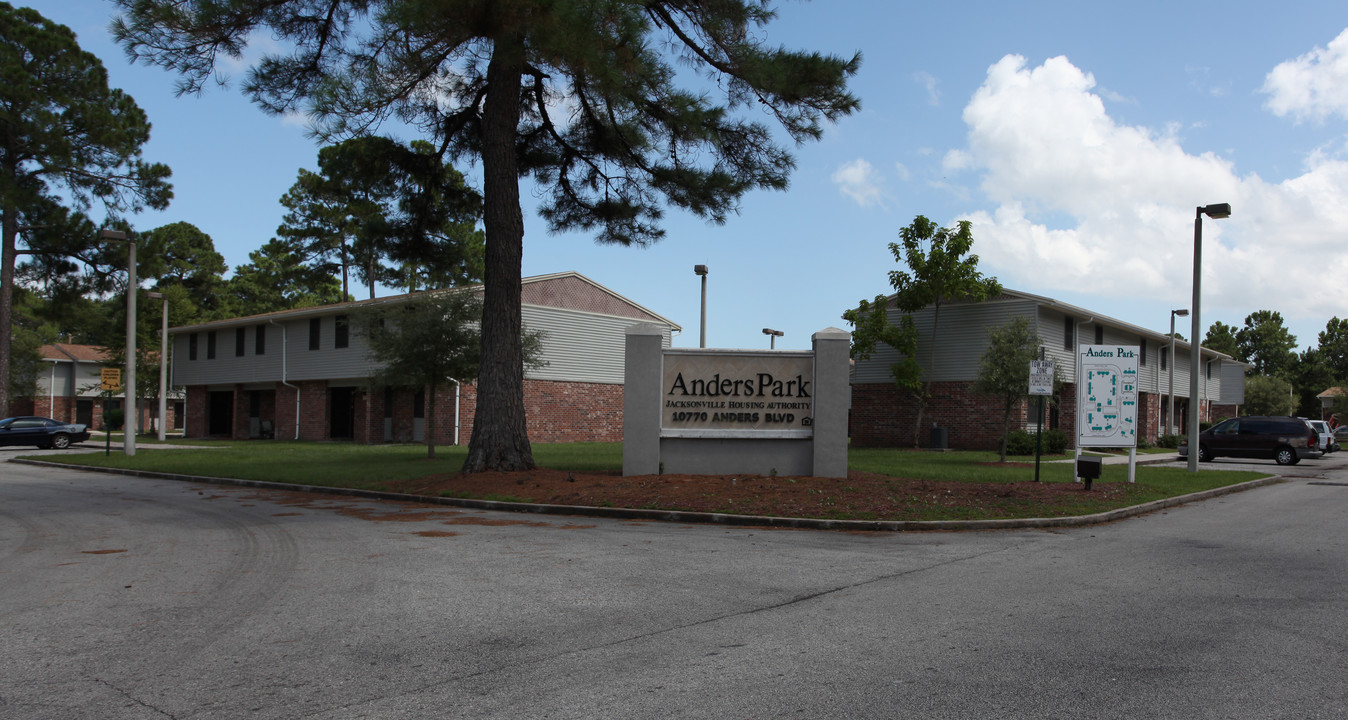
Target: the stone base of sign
(649, 447)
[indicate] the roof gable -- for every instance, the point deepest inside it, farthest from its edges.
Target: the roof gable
(67, 352)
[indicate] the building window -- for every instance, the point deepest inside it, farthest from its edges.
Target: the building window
(1099, 334)
(1068, 330)
(315, 333)
(1165, 356)
(210, 345)
(1207, 370)
(340, 332)
(419, 404)
(192, 346)
(260, 340)
(238, 342)
(1143, 360)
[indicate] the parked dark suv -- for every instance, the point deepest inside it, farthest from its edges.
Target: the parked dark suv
(1286, 440)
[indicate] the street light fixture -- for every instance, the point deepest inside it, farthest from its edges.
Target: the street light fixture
(772, 337)
(1170, 423)
(701, 270)
(129, 386)
(163, 363)
(1216, 212)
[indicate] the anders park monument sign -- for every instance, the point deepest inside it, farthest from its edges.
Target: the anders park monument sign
(713, 411)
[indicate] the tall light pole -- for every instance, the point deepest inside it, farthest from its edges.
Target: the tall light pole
(163, 362)
(129, 384)
(702, 335)
(1170, 423)
(1216, 212)
(772, 337)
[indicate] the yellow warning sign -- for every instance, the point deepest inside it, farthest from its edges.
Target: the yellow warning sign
(112, 379)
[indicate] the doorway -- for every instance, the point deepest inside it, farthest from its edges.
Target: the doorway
(342, 413)
(220, 413)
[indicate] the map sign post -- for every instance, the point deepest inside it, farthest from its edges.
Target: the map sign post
(1107, 395)
(110, 381)
(1041, 384)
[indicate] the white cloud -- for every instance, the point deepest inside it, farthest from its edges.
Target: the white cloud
(1314, 85)
(1087, 204)
(928, 83)
(859, 181)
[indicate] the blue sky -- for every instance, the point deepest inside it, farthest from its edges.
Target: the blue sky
(1078, 138)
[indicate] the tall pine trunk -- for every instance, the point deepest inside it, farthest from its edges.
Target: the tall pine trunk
(500, 438)
(10, 234)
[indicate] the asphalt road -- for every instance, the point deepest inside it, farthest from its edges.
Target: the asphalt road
(134, 598)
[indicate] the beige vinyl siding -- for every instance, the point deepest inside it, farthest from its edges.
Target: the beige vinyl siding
(580, 346)
(962, 338)
(577, 346)
(1233, 384)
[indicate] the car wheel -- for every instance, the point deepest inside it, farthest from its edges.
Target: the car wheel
(60, 441)
(1204, 455)
(1285, 456)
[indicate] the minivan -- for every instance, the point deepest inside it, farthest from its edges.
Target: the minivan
(1285, 440)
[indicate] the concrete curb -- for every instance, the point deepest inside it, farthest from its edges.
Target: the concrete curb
(680, 516)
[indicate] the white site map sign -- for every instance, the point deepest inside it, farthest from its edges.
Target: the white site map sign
(1107, 396)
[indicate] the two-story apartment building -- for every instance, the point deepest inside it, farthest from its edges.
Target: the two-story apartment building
(306, 374)
(882, 415)
(68, 389)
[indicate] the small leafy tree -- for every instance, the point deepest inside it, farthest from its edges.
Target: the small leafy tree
(1005, 368)
(938, 273)
(426, 341)
(870, 321)
(1266, 395)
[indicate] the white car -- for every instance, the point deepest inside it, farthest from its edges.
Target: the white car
(1327, 442)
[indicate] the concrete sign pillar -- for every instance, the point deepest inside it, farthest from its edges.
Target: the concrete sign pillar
(717, 411)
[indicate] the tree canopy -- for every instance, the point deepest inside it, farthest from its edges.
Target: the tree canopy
(63, 133)
(584, 98)
(1266, 344)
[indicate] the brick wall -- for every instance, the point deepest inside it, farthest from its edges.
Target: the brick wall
(884, 416)
(554, 412)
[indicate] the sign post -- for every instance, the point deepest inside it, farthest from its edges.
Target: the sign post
(110, 381)
(1041, 384)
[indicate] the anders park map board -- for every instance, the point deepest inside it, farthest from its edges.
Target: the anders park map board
(1107, 396)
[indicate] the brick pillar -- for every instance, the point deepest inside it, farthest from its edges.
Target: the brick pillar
(195, 424)
(285, 412)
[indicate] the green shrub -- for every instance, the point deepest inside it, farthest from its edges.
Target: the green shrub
(1019, 442)
(1055, 442)
(1169, 441)
(113, 418)
(1144, 444)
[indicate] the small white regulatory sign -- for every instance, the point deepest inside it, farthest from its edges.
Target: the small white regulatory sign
(1041, 377)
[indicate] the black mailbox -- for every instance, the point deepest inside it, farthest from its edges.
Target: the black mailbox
(1088, 469)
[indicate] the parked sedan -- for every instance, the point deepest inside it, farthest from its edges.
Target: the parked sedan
(42, 432)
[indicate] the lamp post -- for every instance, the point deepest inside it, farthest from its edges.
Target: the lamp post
(701, 270)
(772, 337)
(129, 386)
(1216, 212)
(163, 363)
(1170, 423)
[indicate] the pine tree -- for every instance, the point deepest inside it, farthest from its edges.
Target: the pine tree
(582, 97)
(63, 132)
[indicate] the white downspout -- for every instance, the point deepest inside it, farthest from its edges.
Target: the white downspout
(51, 391)
(284, 347)
(458, 387)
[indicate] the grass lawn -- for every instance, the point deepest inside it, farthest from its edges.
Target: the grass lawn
(399, 467)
